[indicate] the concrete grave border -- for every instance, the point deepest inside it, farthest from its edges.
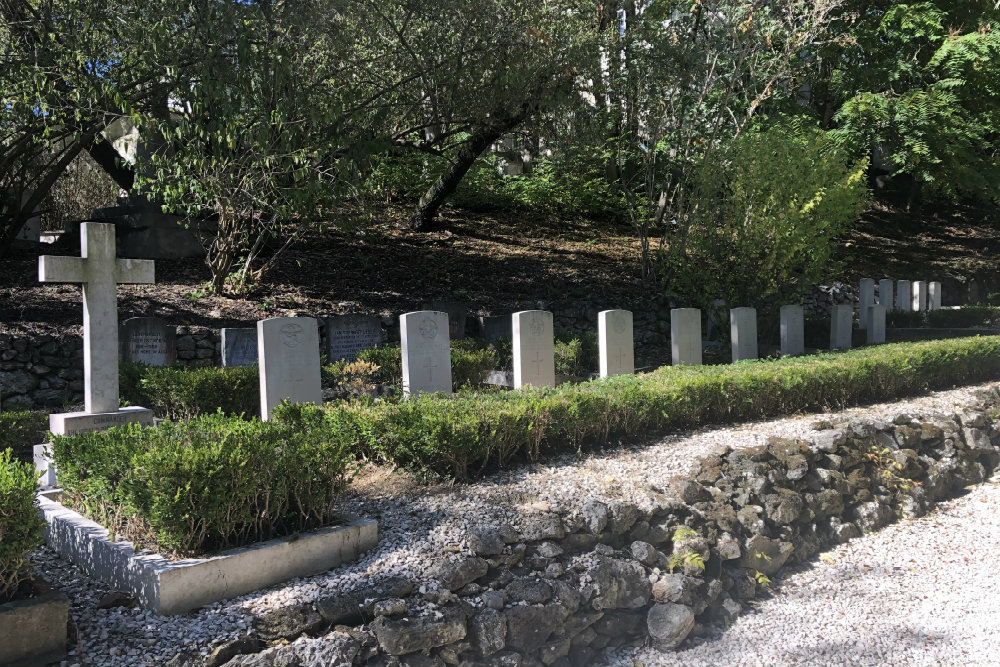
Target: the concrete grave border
(166, 587)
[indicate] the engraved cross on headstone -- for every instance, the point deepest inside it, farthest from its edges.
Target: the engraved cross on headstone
(99, 271)
(430, 366)
(621, 358)
(538, 362)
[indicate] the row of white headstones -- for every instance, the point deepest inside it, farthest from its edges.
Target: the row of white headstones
(289, 362)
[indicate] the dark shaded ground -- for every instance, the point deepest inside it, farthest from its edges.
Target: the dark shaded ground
(496, 261)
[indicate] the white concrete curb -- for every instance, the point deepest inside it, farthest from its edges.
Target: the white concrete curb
(167, 587)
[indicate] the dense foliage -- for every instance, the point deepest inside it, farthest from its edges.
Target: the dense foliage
(20, 523)
(209, 483)
(22, 429)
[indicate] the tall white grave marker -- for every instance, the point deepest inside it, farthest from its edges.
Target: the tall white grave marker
(426, 352)
(885, 294)
(99, 271)
(685, 336)
(743, 331)
(918, 300)
(904, 295)
(867, 300)
(534, 349)
(934, 296)
(792, 331)
(841, 318)
(617, 350)
(876, 324)
(288, 362)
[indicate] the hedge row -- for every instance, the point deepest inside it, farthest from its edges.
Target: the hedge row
(952, 318)
(465, 434)
(210, 483)
(20, 522)
(22, 430)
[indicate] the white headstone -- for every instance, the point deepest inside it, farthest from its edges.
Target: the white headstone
(743, 331)
(616, 346)
(685, 336)
(934, 295)
(346, 335)
(288, 349)
(885, 293)
(239, 347)
(98, 271)
(876, 324)
(918, 300)
(903, 295)
(841, 319)
(867, 299)
(534, 349)
(792, 331)
(426, 352)
(147, 340)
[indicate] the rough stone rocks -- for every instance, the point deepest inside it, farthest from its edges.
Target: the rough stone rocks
(340, 649)
(829, 441)
(230, 649)
(351, 608)
(644, 552)
(669, 624)
(455, 575)
(529, 628)
(486, 541)
(540, 527)
(530, 590)
(872, 515)
(287, 623)
(676, 587)
(595, 516)
(728, 547)
(764, 554)
(620, 584)
(488, 630)
(977, 439)
(407, 635)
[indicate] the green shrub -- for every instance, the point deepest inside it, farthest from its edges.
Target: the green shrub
(470, 361)
(966, 316)
(185, 392)
(212, 482)
(904, 319)
(20, 523)
(576, 354)
(467, 433)
(22, 430)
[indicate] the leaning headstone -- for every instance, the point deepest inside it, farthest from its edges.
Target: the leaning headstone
(904, 295)
(876, 324)
(534, 349)
(457, 312)
(615, 343)
(685, 336)
(346, 335)
(494, 327)
(239, 347)
(841, 318)
(934, 295)
(885, 293)
(288, 348)
(426, 352)
(918, 300)
(147, 340)
(792, 331)
(867, 300)
(743, 331)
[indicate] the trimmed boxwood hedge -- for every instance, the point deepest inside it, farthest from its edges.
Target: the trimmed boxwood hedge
(20, 523)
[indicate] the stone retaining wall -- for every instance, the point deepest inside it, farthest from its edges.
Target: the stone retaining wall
(567, 586)
(40, 371)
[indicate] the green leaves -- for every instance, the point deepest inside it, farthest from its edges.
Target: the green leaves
(20, 523)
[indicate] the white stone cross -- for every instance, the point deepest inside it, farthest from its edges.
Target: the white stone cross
(99, 271)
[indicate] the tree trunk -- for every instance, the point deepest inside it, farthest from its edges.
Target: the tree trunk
(430, 203)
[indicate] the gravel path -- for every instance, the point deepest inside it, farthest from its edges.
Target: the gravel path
(420, 525)
(917, 593)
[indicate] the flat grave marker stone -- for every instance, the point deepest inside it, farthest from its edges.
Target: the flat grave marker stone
(867, 299)
(346, 335)
(841, 320)
(934, 295)
(904, 295)
(876, 324)
(885, 294)
(918, 300)
(743, 332)
(147, 340)
(426, 351)
(239, 347)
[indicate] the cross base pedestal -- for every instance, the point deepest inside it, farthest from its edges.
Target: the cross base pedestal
(71, 423)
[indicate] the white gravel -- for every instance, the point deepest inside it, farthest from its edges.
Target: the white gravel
(418, 525)
(917, 593)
